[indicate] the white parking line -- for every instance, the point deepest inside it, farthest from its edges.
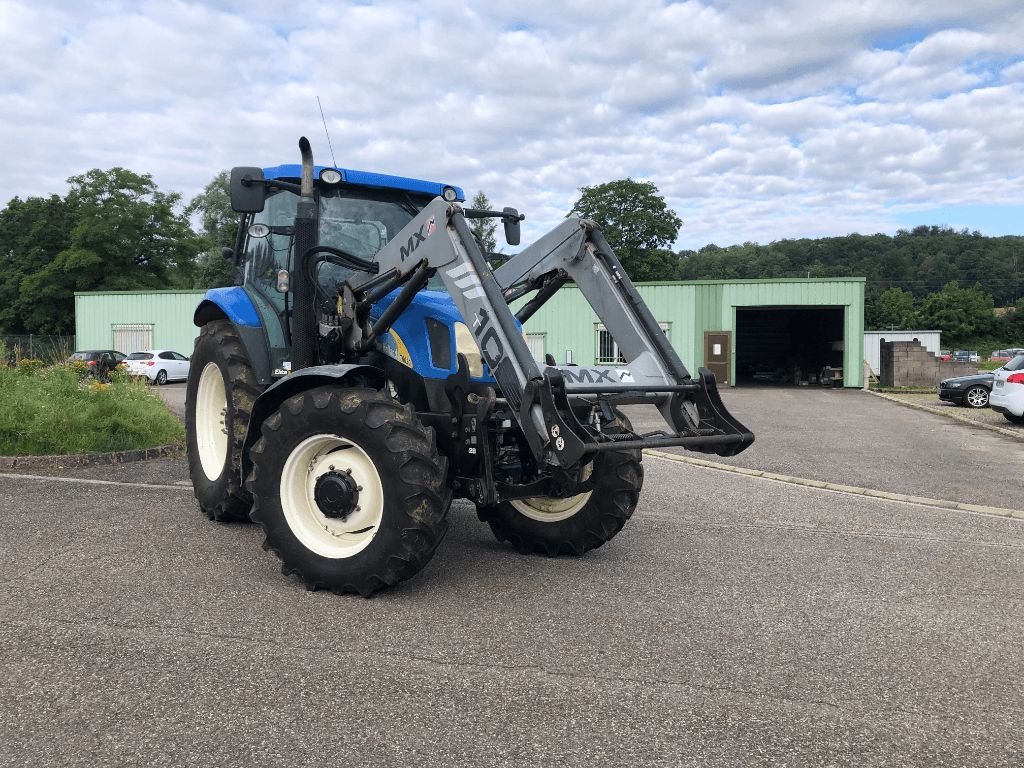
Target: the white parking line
(89, 481)
(874, 493)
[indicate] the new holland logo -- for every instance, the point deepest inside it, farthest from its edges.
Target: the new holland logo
(467, 281)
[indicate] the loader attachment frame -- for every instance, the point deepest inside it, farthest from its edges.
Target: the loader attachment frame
(545, 402)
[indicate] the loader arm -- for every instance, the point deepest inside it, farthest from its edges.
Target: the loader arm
(543, 401)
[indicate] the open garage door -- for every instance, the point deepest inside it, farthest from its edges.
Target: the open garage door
(789, 345)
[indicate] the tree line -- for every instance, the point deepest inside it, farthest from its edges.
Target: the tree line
(115, 230)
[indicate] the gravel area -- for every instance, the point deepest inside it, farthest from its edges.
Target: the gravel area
(984, 415)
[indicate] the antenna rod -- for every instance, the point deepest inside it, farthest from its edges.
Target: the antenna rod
(335, 162)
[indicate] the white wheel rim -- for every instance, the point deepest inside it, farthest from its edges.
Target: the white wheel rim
(211, 426)
(976, 398)
(331, 537)
(548, 510)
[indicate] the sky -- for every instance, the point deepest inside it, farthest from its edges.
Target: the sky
(756, 121)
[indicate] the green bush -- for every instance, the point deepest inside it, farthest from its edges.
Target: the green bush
(54, 411)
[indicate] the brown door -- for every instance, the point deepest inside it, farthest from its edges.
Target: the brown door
(718, 354)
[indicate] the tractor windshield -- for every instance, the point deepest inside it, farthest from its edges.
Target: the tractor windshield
(358, 221)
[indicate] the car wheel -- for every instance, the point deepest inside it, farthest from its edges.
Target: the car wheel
(161, 378)
(976, 397)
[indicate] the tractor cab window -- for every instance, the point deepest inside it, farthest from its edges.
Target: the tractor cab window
(361, 223)
(265, 256)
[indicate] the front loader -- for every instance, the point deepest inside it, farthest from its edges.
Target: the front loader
(369, 367)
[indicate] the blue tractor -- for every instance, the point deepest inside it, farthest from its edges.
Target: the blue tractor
(368, 367)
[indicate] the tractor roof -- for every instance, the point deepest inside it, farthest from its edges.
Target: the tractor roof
(365, 179)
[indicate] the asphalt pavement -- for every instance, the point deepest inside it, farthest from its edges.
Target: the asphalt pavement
(734, 621)
(851, 437)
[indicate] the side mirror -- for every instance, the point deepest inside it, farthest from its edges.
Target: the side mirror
(247, 191)
(511, 221)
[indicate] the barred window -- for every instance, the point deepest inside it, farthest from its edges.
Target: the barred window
(608, 351)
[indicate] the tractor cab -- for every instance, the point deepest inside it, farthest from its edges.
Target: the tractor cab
(357, 213)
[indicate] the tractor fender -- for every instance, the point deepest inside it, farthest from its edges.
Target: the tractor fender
(235, 306)
(293, 384)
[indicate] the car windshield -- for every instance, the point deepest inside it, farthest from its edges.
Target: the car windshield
(140, 356)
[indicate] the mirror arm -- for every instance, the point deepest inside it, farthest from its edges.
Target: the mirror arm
(291, 187)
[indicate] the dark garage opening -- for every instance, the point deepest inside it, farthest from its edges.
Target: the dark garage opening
(789, 345)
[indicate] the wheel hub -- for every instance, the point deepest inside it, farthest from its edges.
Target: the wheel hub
(336, 494)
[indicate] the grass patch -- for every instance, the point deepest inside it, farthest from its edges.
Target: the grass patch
(59, 410)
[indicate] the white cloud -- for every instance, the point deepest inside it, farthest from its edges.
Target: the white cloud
(756, 123)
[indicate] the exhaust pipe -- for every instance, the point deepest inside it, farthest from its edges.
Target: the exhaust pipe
(303, 332)
(307, 167)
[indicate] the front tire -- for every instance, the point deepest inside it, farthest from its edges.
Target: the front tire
(161, 378)
(349, 489)
(976, 397)
(219, 396)
(573, 526)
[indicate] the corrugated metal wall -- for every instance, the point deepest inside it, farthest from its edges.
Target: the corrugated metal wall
(169, 312)
(846, 292)
(690, 309)
(567, 322)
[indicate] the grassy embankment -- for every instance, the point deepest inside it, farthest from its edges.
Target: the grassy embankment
(58, 410)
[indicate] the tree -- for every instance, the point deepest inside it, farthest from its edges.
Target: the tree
(484, 229)
(638, 224)
(32, 233)
(1014, 323)
(127, 235)
(219, 228)
(959, 312)
(893, 308)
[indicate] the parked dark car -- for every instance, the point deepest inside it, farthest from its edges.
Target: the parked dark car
(100, 361)
(972, 391)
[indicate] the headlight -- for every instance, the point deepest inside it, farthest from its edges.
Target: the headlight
(449, 194)
(330, 176)
(465, 344)
(953, 385)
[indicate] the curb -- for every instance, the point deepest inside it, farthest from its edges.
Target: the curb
(853, 490)
(88, 459)
(1011, 433)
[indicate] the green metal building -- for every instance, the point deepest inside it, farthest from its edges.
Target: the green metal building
(132, 320)
(782, 331)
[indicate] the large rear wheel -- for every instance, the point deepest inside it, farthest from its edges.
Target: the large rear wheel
(574, 525)
(350, 489)
(219, 395)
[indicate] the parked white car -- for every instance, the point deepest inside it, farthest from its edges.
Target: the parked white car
(1008, 390)
(157, 365)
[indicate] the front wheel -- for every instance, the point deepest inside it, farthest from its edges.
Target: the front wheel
(574, 525)
(976, 397)
(349, 488)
